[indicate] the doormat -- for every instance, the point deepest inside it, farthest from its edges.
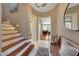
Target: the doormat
(42, 52)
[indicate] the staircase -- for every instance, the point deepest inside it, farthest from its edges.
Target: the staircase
(13, 43)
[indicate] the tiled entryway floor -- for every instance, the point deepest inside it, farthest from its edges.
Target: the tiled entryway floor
(40, 43)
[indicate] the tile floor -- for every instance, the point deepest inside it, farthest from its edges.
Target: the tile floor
(40, 43)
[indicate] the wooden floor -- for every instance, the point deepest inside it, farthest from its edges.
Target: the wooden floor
(44, 37)
(54, 49)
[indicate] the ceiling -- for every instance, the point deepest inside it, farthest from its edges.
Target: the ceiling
(46, 8)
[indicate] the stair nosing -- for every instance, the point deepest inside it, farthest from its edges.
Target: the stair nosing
(12, 41)
(9, 34)
(11, 45)
(11, 38)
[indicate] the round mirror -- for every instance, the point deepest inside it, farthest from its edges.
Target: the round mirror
(71, 16)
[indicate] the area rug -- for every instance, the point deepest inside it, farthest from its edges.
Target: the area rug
(42, 52)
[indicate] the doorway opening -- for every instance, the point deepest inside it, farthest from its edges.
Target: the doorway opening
(44, 28)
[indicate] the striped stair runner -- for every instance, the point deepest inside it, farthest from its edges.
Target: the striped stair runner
(26, 53)
(14, 53)
(13, 43)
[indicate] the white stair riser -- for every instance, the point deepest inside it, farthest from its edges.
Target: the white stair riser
(9, 32)
(6, 22)
(8, 28)
(11, 41)
(10, 36)
(5, 25)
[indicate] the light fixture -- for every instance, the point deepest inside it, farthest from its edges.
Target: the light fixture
(40, 5)
(17, 25)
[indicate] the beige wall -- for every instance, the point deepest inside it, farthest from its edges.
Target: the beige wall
(71, 35)
(24, 27)
(21, 18)
(0, 25)
(58, 25)
(53, 14)
(13, 17)
(34, 27)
